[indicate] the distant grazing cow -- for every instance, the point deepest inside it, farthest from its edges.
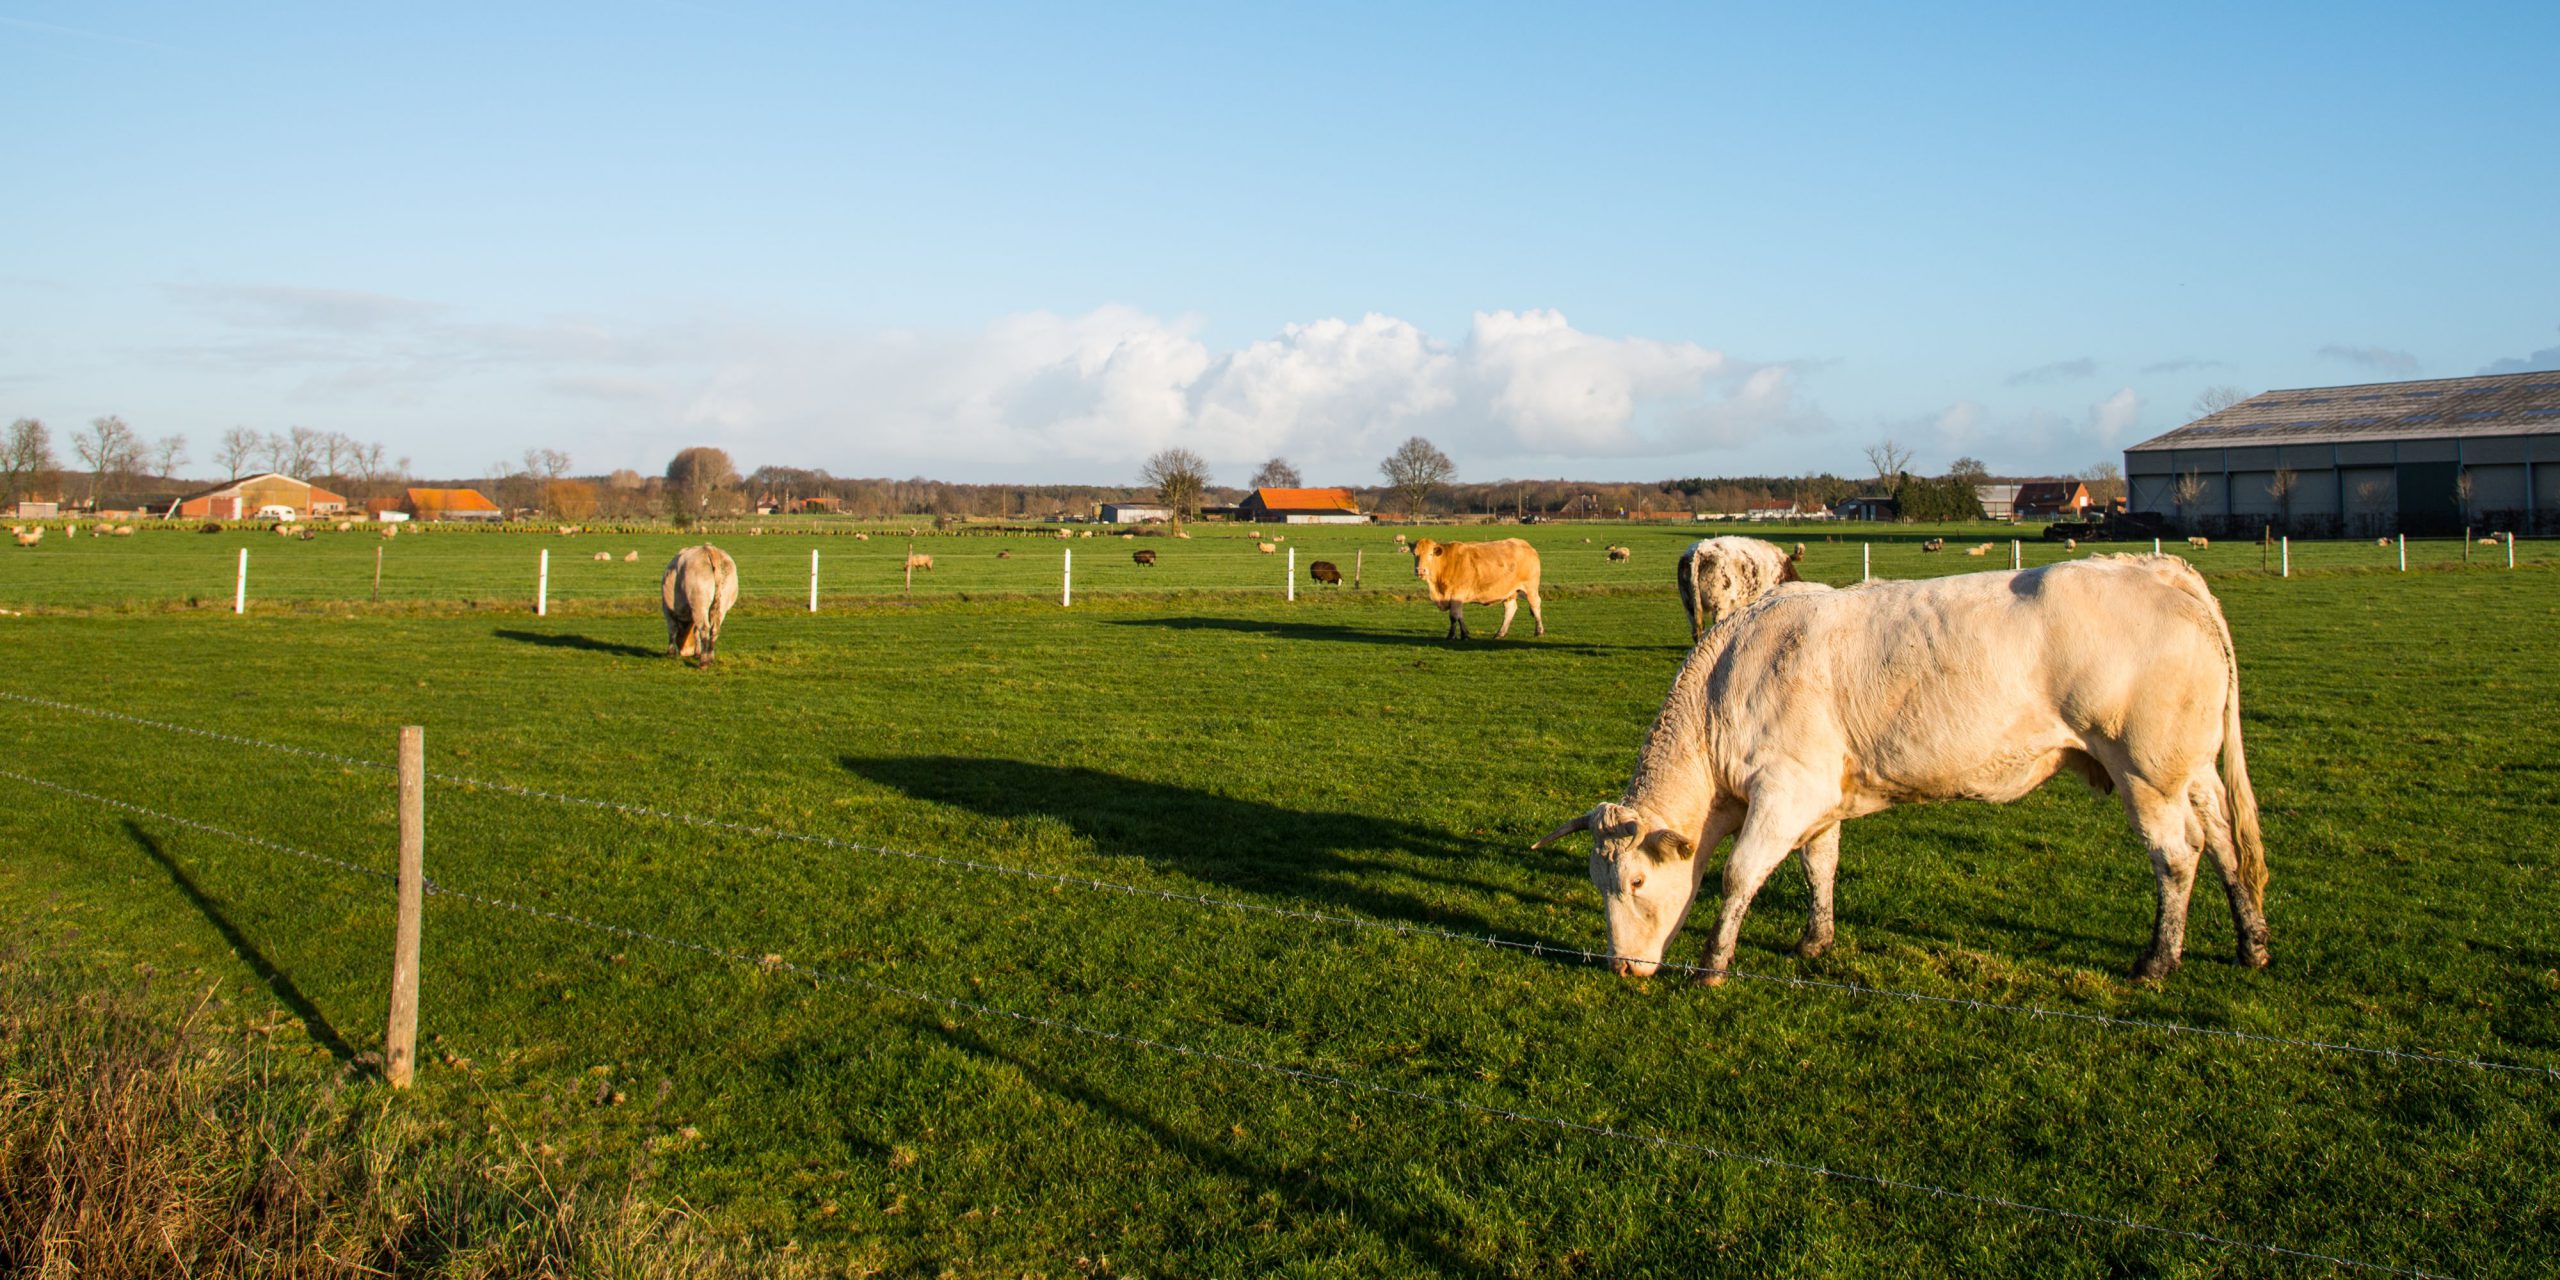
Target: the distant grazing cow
(1934, 545)
(700, 585)
(1324, 571)
(919, 560)
(1464, 573)
(1816, 706)
(1718, 576)
(2200, 543)
(1144, 558)
(1619, 555)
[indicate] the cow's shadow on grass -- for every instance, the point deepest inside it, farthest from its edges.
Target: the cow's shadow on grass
(563, 640)
(1347, 861)
(1420, 1234)
(276, 980)
(1430, 638)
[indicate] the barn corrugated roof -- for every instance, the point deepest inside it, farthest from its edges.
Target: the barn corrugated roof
(1307, 500)
(449, 500)
(2501, 404)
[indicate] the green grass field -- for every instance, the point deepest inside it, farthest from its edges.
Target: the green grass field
(1328, 756)
(163, 568)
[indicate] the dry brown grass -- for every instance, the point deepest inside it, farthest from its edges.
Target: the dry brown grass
(137, 1141)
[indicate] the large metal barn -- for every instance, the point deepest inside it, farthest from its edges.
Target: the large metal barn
(2428, 457)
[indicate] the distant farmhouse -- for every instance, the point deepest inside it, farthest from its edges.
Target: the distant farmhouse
(1300, 506)
(2051, 500)
(2425, 457)
(1868, 507)
(448, 504)
(244, 499)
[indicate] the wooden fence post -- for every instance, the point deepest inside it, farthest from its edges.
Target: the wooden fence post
(1356, 557)
(910, 587)
(1293, 574)
(377, 573)
(400, 1041)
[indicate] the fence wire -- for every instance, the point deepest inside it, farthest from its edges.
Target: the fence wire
(758, 831)
(774, 963)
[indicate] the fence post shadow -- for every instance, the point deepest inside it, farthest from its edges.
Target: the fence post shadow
(278, 983)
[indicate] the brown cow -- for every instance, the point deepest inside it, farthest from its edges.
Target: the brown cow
(700, 585)
(1464, 573)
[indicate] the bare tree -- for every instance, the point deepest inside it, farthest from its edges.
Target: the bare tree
(2106, 483)
(1277, 474)
(278, 448)
(545, 466)
(109, 449)
(26, 458)
(168, 455)
(2189, 490)
(2281, 486)
(301, 451)
(2215, 399)
(2462, 491)
(701, 481)
(1969, 470)
(239, 444)
(1889, 459)
(1415, 469)
(1178, 476)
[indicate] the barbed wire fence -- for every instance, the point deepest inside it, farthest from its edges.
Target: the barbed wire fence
(986, 1010)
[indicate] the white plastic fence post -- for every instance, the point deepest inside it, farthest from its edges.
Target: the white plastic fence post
(2155, 546)
(2288, 557)
(240, 587)
(2017, 555)
(2511, 550)
(1866, 562)
(1067, 580)
(2404, 553)
(813, 579)
(542, 587)
(1293, 573)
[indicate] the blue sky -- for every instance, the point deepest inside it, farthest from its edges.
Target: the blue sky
(1012, 243)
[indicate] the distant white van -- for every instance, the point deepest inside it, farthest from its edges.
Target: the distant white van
(277, 511)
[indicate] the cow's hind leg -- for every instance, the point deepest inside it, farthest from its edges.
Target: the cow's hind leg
(2213, 813)
(1821, 867)
(2168, 826)
(1537, 612)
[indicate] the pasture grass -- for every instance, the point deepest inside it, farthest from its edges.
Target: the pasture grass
(1334, 756)
(161, 569)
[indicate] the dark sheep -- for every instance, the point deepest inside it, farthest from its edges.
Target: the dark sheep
(1934, 544)
(1144, 559)
(1324, 571)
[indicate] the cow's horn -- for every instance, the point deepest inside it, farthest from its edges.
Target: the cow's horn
(1580, 822)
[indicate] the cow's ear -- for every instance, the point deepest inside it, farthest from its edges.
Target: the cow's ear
(1437, 549)
(1667, 845)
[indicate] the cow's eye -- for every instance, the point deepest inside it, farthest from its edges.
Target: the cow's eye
(1636, 883)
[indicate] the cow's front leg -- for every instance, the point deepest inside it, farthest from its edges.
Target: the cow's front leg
(1756, 853)
(1457, 621)
(1510, 609)
(1821, 867)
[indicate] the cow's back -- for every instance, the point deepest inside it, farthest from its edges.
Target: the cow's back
(1989, 667)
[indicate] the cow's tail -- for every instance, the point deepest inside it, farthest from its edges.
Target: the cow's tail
(2235, 776)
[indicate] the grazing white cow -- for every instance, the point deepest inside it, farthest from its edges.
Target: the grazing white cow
(1718, 576)
(1817, 706)
(700, 586)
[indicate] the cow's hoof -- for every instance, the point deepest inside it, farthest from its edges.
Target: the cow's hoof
(1812, 948)
(2253, 957)
(2154, 968)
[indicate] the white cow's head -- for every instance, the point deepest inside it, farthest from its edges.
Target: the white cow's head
(1647, 875)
